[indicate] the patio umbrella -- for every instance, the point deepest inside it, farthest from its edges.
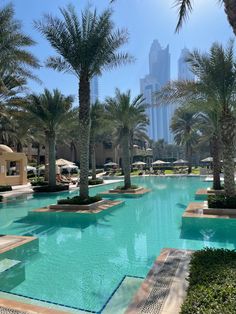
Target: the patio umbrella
(160, 162)
(62, 162)
(180, 162)
(110, 164)
(139, 163)
(208, 159)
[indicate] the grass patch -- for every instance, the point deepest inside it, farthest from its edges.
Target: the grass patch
(77, 200)
(221, 201)
(169, 172)
(212, 284)
(5, 188)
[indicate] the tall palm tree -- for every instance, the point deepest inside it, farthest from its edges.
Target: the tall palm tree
(86, 46)
(14, 58)
(184, 128)
(186, 6)
(126, 114)
(50, 110)
(216, 88)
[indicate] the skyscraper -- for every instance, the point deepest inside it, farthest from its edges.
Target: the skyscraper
(159, 75)
(184, 72)
(94, 90)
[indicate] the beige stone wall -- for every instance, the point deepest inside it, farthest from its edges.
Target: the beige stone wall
(16, 179)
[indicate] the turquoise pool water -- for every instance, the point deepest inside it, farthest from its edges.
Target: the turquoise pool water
(82, 258)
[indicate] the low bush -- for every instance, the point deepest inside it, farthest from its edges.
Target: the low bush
(121, 187)
(48, 188)
(38, 182)
(1, 198)
(5, 188)
(77, 200)
(212, 285)
(95, 182)
(221, 201)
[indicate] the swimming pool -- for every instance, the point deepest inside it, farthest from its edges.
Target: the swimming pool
(82, 258)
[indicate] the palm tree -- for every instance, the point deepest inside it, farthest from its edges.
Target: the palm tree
(86, 47)
(184, 128)
(126, 115)
(186, 6)
(215, 88)
(50, 111)
(14, 58)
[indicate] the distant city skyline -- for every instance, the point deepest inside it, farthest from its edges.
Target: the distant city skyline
(94, 90)
(184, 72)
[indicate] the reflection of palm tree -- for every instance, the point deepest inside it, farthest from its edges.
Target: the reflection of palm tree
(127, 115)
(86, 46)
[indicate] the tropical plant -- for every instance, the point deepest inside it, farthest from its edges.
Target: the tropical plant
(15, 60)
(214, 92)
(86, 47)
(186, 6)
(50, 110)
(185, 130)
(127, 114)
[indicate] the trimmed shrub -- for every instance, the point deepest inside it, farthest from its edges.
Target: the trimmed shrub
(77, 200)
(5, 188)
(1, 198)
(95, 182)
(47, 188)
(212, 285)
(39, 182)
(221, 201)
(120, 187)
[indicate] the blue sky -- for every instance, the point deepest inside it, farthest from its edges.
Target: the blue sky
(145, 20)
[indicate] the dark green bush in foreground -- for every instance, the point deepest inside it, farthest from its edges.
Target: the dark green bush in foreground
(221, 201)
(47, 188)
(5, 188)
(95, 182)
(38, 182)
(1, 198)
(212, 283)
(77, 200)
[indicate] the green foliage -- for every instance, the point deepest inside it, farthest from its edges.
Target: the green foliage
(78, 200)
(5, 188)
(121, 187)
(1, 198)
(212, 285)
(39, 181)
(95, 182)
(49, 188)
(221, 201)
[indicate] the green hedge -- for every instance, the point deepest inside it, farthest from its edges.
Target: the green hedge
(77, 200)
(121, 187)
(39, 182)
(1, 198)
(5, 188)
(95, 182)
(221, 201)
(212, 283)
(47, 188)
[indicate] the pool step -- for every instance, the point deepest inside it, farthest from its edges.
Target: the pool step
(12, 273)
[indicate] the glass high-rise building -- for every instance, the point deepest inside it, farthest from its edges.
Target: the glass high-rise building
(94, 90)
(184, 72)
(159, 75)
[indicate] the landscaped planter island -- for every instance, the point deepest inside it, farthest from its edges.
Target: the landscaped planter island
(133, 191)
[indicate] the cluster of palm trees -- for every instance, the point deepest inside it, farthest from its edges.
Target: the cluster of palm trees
(85, 46)
(208, 109)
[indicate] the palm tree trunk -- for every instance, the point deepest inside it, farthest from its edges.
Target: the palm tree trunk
(216, 162)
(38, 154)
(52, 159)
(126, 160)
(228, 134)
(84, 132)
(93, 159)
(230, 10)
(46, 175)
(189, 157)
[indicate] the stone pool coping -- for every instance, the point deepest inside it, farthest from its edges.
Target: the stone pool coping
(201, 210)
(164, 289)
(95, 209)
(10, 242)
(16, 307)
